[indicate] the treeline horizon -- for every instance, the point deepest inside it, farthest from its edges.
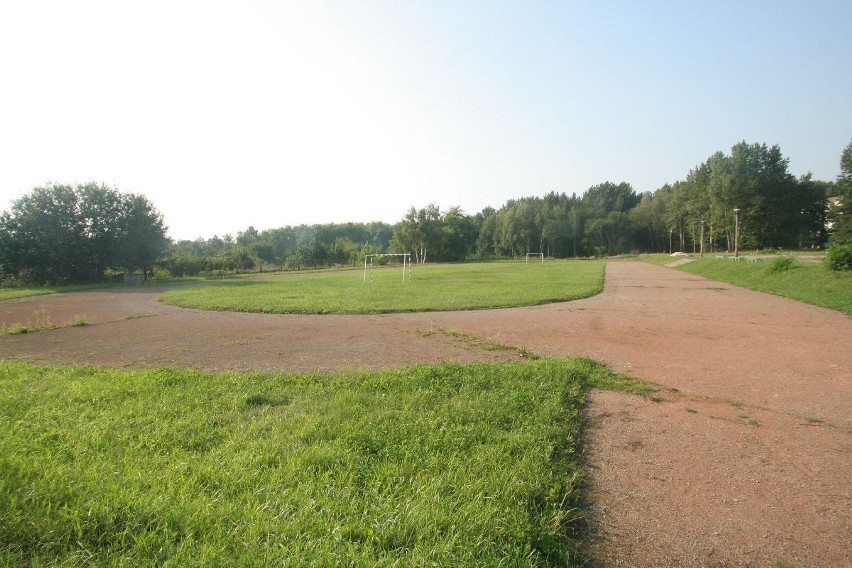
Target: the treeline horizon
(91, 233)
(775, 210)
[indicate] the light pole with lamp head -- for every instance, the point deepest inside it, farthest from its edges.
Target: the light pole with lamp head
(702, 238)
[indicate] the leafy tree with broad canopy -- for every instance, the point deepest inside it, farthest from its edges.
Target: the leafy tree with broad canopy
(59, 234)
(841, 213)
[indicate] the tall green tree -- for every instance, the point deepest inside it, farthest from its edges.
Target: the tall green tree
(648, 218)
(418, 232)
(676, 214)
(344, 251)
(607, 225)
(604, 198)
(813, 218)
(840, 211)
(248, 237)
(456, 238)
(43, 235)
(143, 235)
(59, 233)
(763, 189)
(102, 213)
(487, 223)
(576, 219)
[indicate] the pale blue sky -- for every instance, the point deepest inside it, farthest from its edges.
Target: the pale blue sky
(230, 114)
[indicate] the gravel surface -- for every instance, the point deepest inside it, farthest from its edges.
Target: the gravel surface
(745, 458)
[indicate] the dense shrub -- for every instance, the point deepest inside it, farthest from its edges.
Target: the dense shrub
(781, 264)
(839, 256)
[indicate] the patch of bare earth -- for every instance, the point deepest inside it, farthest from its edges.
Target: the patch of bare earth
(745, 458)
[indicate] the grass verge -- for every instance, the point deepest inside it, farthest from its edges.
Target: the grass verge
(432, 287)
(8, 293)
(813, 283)
(462, 465)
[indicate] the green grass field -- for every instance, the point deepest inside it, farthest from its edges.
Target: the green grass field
(22, 292)
(807, 282)
(444, 465)
(432, 287)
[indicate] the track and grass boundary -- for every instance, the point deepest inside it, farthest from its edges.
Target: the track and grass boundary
(812, 283)
(809, 282)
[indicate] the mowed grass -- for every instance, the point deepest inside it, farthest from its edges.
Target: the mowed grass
(808, 282)
(7, 293)
(447, 465)
(432, 287)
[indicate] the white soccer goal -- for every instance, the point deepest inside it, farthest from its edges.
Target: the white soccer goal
(537, 254)
(406, 264)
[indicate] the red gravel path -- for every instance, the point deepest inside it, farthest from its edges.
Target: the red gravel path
(746, 459)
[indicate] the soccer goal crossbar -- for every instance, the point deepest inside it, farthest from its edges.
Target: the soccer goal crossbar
(536, 254)
(406, 264)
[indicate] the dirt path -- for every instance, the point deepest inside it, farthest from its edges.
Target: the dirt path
(747, 461)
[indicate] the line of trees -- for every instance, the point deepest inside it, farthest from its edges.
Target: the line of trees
(60, 233)
(305, 246)
(775, 210)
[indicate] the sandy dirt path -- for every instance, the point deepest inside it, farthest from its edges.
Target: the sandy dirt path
(745, 458)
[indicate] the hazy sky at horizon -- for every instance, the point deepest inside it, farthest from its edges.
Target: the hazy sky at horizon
(264, 113)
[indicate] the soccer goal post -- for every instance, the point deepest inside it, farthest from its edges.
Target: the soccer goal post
(406, 264)
(535, 254)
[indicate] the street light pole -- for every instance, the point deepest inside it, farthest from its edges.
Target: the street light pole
(702, 238)
(670, 240)
(737, 232)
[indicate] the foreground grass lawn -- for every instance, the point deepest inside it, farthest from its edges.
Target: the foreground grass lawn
(446, 465)
(432, 287)
(813, 283)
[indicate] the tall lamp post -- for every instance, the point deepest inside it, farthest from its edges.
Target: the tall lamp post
(737, 232)
(702, 238)
(670, 240)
